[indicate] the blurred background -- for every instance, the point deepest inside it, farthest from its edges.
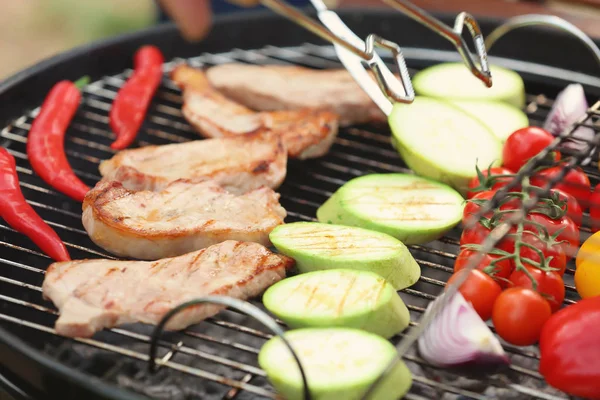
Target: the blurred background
(32, 30)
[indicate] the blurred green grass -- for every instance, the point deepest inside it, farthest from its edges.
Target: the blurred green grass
(88, 20)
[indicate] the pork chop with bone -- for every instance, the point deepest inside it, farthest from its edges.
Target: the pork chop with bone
(185, 216)
(239, 164)
(278, 87)
(96, 294)
(306, 133)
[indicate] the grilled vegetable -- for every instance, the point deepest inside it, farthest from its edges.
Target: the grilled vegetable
(21, 216)
(524, 144)
(575, 182)
(519, 315)
(548, 283)
(454, 81)
(414, 210)
(503, 177)
(340, 364)
(440, 141)
(570, 349)
(129, 107)
(45, 141)
(570, 105)
(480, 290)
(339, 297)
(318, 246)
(595, 209)
(457, 337)
(587, 276)
(501, 118)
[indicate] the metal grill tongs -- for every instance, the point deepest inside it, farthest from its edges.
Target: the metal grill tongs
(359, 56)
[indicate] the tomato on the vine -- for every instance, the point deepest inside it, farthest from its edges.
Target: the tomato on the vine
(524, 144)
(595, 209)
(472, 208)
(519, 315)
(501, 269)
(575, 182)
(558, 261)
(474, 235)
(549, 284)
(500, 182)
(481, 290)
(569, 232)
(572, 207)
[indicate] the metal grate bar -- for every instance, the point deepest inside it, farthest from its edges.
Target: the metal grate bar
(144, 357)
(356, 151)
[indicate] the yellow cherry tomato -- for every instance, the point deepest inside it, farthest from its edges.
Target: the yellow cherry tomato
(589, 250)
(587, 278)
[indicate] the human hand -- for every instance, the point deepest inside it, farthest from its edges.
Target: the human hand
(194, 17)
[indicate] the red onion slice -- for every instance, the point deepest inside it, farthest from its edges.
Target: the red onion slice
(569, 107)
(458, 337)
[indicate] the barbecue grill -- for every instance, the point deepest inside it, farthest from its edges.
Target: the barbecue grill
(216, 359)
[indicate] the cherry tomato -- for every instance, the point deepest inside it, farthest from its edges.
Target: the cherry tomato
(501, 182)
(502, 269)
(474, 235)
(595, 209)
(558, 260)
(472, 208)
(575, 182)
(524, 144)
(549, 284)
(481, 290)
(573, 209)
(519, 315)
(569, 231)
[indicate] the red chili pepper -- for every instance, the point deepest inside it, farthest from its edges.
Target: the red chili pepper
(570, 349)
(20, 216)
(45, 142)
(130, 105)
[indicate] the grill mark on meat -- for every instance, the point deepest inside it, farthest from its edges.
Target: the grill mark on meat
(261, 167)
(246, 270)
(112, 271)
(306, 132)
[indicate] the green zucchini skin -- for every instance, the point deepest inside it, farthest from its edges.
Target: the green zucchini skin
(317, 246)
(340, 364)
(454, 81)
(339, 298)
(438, 140)
(501, 118)
(413, 209)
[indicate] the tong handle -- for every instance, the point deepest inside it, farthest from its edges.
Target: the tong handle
(244, 3)
(454, 35)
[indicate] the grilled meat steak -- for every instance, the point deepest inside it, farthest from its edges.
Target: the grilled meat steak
(306, 133)
(185, 216)
(96, 294)
(239, 164)
(276, 87)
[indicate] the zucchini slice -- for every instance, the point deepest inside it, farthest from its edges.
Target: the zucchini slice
(412, 209)
(339, 363)
(454, 81)
(317, 246)
(338, 298)
(438, 140)
(501, 118)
